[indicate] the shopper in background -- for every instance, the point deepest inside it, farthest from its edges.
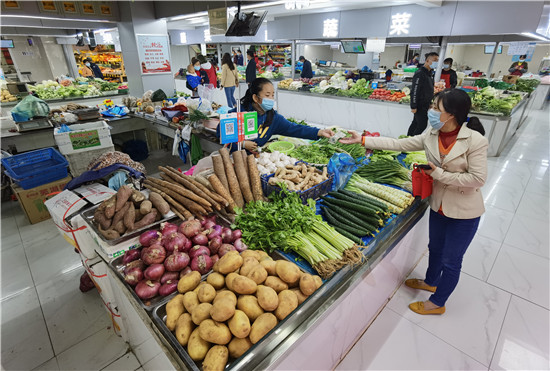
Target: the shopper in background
(250, 67)
(415, 61)
(230, 79)
(86, 70)
(260, 98)
(94, 67)
(448, 74)
(520, 67)
(240, 58)
(200, 72)
(209, 69)
(422, 92)
(269, 63)
(389, 74)
(193, 80)
(457, 154)
(307, 72)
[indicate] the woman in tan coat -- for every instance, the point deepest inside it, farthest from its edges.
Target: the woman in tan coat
(457, 154)
(230, 79)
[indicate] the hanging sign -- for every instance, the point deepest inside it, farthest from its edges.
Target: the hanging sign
(528, 52)
(217, 18)
(518, 48)
(154, 54)
(238, 127)
(375, 44)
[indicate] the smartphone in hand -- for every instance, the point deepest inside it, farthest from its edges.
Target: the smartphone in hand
(424, 167)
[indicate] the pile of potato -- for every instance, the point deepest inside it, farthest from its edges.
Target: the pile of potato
(127, 211)
(238, 304)
(7, 97)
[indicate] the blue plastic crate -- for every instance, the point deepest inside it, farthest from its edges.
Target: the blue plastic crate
(32, 169)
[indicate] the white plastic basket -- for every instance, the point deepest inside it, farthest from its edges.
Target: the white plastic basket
(83, 137)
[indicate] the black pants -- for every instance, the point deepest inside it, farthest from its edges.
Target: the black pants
(419, 122)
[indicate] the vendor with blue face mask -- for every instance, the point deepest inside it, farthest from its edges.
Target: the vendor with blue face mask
(260, 98)
(422, 92)
(520, 67)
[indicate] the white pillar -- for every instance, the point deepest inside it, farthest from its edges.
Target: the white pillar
(442, 52)
(293, 58)
(492, 62)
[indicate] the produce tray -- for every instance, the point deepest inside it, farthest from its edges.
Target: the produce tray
(159, 316)
(314, 192)
(88, 216)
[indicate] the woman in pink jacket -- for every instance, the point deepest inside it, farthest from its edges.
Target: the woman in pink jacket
(456, 150)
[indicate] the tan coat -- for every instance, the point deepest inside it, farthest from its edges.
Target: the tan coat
(457, 181)
(229, 78)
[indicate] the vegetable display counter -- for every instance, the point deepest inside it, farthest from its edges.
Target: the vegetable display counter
(389, 118)
(319, 332)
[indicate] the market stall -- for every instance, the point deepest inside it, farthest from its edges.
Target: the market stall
(390, 118)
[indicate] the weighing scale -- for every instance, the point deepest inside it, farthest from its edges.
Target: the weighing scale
(36, 124)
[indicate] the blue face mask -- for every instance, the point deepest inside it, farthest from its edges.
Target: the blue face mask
(267, 104)
(522, 60)
(434, 117)
(197, 68)
(446, 66)
(433, 66)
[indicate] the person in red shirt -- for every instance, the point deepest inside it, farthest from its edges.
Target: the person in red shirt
(269, 62)
(209, 69)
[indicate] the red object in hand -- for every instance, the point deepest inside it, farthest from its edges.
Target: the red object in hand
(422, 183)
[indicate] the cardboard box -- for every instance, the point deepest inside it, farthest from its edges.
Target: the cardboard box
(510, 79)
(32, 200)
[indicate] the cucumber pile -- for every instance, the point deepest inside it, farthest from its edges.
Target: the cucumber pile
(354, 215)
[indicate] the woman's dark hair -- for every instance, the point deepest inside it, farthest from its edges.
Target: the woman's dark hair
(450, 60)
(250, 53)
(194, 61)
(458, 103)
(226, 59)
(255, 88)
(524, 56)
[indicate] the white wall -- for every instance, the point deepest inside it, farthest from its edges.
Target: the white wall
(31, 58)
(56, 57)
(315, 53)
(348, 58)
(474, 57)
(391, 55)
(180, 57)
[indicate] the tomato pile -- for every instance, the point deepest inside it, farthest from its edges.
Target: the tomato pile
(387, 95)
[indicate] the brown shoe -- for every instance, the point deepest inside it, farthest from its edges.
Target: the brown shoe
(418, 307)
(415, 283)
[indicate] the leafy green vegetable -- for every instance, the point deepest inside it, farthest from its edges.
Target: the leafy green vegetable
(288, 224)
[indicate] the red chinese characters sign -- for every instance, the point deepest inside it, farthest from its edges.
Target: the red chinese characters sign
(154, 54)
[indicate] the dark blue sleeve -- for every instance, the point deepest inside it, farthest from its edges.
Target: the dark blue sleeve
(284, 127)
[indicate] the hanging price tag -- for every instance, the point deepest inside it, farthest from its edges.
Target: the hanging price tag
(229, 129)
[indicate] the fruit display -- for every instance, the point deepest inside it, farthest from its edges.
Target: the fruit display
(7, 97)
(218, 319)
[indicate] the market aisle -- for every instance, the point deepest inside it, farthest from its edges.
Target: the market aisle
(47, 323)
(498, 317)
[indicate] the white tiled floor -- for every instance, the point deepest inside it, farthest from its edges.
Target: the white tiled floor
(47, 323)
(498, 316)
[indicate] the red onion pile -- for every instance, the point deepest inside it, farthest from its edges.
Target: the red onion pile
(174, 251)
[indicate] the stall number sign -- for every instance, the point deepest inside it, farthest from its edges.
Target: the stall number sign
(237, 127)
(85, 139)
